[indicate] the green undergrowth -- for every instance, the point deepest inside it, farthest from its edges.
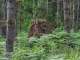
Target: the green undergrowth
(58, 45)
(2, 45)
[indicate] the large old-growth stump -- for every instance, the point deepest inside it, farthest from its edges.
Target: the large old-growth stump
(40, 27)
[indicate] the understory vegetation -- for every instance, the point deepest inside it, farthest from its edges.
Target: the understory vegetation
(58, 45)
(39, 29)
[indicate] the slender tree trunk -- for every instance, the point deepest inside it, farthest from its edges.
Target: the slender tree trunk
(67, 20)
(78, 16)
(72, 13)
(58, 13)
(75, 15)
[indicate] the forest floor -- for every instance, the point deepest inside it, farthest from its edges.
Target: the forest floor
(43, 48)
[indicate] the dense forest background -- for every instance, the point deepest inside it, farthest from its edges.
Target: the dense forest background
(39, 29)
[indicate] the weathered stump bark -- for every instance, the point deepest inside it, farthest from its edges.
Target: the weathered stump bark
(41, 27)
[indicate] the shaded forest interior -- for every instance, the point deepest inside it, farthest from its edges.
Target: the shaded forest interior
(39, 18)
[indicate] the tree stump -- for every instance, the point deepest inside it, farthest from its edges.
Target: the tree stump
(41, 27)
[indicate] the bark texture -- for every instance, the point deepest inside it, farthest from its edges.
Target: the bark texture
(11, 25)
(67, 19)
(41, 27)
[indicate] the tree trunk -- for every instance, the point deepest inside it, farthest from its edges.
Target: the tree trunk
(67, 20)
(59, 13)
(79, 15)
(77, 21)
(11, 25)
